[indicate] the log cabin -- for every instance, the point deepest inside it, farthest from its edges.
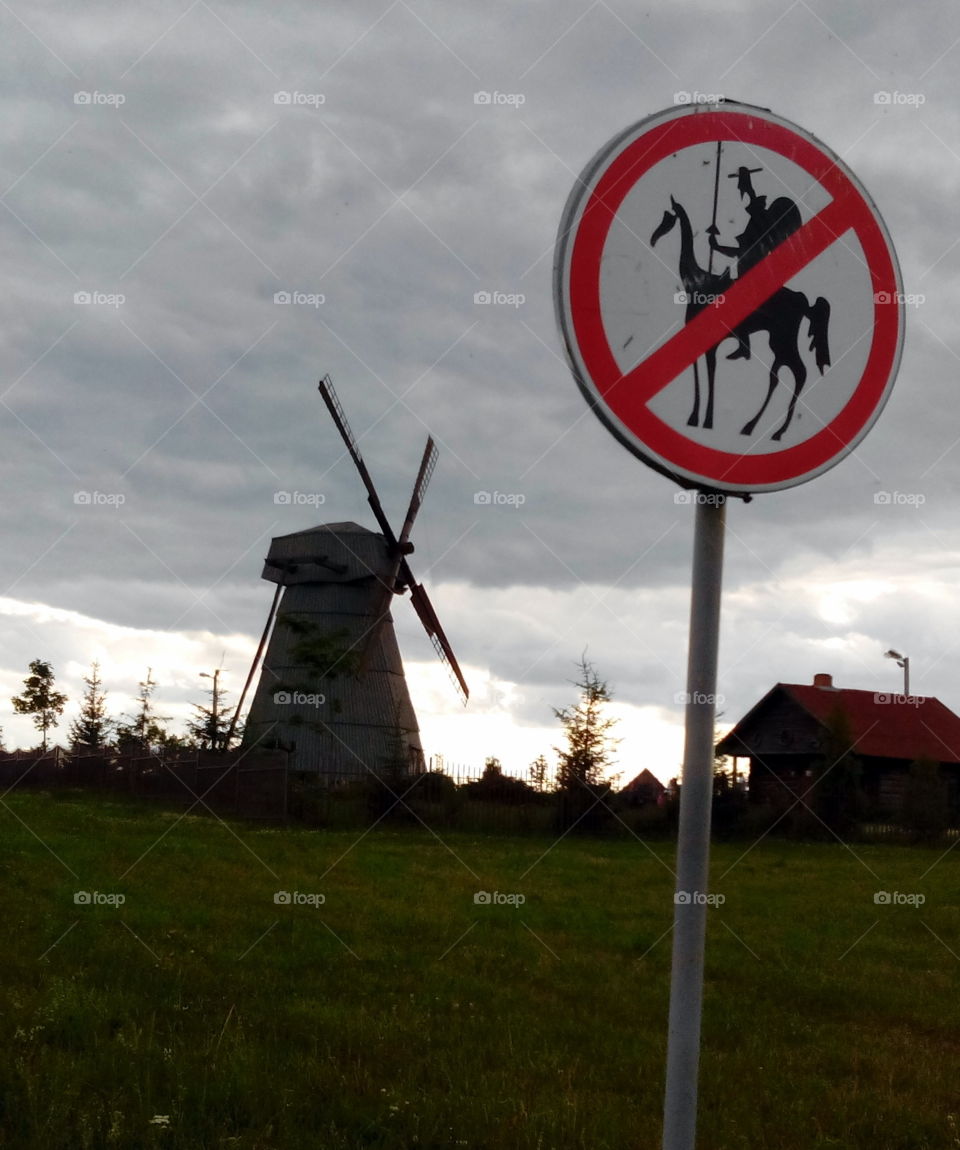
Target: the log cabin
(783, 735)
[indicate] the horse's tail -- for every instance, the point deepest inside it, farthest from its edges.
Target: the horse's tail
(818, 314)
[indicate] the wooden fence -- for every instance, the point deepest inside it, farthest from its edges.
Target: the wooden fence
(245, 784)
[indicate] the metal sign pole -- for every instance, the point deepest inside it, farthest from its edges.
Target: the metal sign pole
(693, 839)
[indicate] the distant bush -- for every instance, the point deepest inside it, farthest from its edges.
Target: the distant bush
(494, 786)
(433, 787)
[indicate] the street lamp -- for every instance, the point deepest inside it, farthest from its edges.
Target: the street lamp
(215, 731)
(904, 662)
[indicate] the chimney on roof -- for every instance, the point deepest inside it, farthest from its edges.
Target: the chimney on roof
(825, 681)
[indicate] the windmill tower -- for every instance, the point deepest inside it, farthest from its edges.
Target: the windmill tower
(332, 687)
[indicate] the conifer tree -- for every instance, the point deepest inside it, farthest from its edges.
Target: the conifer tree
(90, 730)
(40, 699)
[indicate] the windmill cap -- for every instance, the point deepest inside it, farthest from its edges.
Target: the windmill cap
(332, 553)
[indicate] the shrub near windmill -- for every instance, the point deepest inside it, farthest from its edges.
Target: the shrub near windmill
(332, 689)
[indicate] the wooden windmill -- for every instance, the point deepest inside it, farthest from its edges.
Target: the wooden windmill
(332, 688)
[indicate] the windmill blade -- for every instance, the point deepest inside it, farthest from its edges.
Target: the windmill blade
(403, 548)
(427, 464)
(335, 407)
(428, 617)
(400, 573)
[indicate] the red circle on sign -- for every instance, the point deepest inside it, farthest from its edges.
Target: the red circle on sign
(622, 398)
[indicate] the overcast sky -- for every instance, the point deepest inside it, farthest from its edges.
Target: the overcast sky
(184, 163)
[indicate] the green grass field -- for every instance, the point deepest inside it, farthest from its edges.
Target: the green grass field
(400, 1013)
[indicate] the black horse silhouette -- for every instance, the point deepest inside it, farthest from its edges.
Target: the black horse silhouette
(780, 317)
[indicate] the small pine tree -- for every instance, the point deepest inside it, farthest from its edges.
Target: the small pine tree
(145, 728)
(40, 699)
(90, 730)
(582, 788)
(589, 748)
(539, 773)
(209, 728)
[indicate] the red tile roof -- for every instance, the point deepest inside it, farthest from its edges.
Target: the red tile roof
(644, 781)
(886, 725)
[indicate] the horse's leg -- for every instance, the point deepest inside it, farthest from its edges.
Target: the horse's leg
(711, 372)
(799, 379)
(694, 419)
(747, 428)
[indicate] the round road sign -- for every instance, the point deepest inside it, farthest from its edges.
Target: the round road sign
(729, 298)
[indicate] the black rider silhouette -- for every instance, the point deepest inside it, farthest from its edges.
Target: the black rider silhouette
(766, 228)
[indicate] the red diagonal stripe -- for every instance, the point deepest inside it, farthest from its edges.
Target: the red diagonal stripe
(741, 299)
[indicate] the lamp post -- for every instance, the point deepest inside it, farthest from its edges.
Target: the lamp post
(214, 729)
(904, 662)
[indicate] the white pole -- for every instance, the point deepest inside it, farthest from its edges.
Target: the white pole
(693, 838)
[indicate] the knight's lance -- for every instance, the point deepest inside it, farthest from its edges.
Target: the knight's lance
(716, 192)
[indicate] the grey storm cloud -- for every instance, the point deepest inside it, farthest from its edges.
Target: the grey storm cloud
(384, 187)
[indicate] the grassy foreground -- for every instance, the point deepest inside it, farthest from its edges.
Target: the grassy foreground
(401, 1013)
